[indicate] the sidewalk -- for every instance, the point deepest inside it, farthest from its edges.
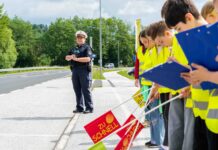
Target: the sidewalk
(115, 90)
(35, 117)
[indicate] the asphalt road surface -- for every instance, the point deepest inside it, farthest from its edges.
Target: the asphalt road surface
(13, 82)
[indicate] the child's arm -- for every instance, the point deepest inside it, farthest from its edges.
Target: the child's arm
(213, 77)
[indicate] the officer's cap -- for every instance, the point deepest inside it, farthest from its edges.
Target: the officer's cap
(81, 33)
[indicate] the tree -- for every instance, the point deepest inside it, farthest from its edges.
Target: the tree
(47, 45)
(25, 38)
(114, 31)
(39, 32)
(8, 53)
(59, 38)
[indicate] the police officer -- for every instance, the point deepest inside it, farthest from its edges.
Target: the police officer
(80, 59)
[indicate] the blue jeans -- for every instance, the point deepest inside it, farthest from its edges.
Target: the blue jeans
(156, 124)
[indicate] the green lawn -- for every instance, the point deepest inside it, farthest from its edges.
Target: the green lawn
(96, 72)
(125, 74)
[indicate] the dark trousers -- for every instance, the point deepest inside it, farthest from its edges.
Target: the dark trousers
(164, 97)
(82, 81)
(204, 139)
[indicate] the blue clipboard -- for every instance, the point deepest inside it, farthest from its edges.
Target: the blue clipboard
(167, 75)
(200, 46)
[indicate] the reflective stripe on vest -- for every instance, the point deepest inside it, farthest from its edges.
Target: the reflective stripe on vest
(200, 105)
(200, 101)
(212, 115)
(215, 93)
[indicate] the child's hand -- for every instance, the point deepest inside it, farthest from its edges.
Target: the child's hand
(185, 92)
(154, 92)
(200, 74)
(187, 77)
(137, 82)
(154, 97)
(172, 59)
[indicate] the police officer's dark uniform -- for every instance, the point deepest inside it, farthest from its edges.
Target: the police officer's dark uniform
(82, 78)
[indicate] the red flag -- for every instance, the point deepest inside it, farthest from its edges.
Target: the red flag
(102, 126)
(122, 132)
(125, 141)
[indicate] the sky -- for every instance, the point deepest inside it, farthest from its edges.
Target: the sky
(46, 11)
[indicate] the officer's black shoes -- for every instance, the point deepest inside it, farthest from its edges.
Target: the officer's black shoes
(78, 111)
(85, 112)
(88, 111)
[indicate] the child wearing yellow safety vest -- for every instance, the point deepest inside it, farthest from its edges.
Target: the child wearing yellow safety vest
(162, 54)
(181, 120)
(144, 55)
(185, 18)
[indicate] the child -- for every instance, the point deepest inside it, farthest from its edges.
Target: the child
(201, 73)
(155, 118)
(164, 93)
(209, 13)
(215, 3)
(181, 120)
(185, 18)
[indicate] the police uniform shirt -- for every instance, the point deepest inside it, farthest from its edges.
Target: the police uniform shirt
(80, 51)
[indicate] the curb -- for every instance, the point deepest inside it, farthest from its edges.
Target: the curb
(62, 141)
(96, 84)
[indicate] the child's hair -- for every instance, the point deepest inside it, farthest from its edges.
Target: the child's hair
(174, 11)
(207, 9)
(157, 29)
(141, 35)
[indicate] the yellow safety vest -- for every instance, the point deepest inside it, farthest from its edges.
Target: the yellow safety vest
(179, 55)
(162, 56)
(212, 112)
(145, 63)
(200, 99)
(189, 103)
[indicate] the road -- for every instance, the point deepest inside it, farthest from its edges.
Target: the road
(35, 117)
(13, 82)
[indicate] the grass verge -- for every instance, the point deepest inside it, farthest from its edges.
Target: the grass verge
(125, 74)
(97, 75)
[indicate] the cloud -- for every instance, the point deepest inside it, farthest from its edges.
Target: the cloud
(42, 10)
(67, 8)
(139, 7)
(147, 10)
(46, 11)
